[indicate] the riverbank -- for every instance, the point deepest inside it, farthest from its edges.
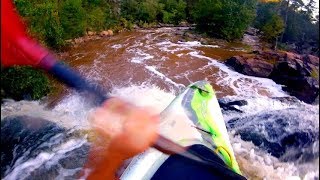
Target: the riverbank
(298, 73)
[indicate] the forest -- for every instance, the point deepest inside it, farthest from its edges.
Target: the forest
(289, 25)
(282, 22)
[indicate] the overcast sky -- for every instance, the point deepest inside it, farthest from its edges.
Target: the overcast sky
(317, 6)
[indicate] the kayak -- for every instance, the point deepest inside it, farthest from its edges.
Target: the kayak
(193, 117)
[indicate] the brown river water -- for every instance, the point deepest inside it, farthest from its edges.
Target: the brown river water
(150, 67)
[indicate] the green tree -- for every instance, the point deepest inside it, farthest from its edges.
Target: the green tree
(300, 27)
(149, 10)
(272, 29)
(226, 19)
(73, 19)
(174, 11)
(24, 82)
(96, 19)
(43, 21)
(129, 9)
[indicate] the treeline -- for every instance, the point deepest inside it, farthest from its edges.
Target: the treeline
(283, 21)
(290, 23)
(54, 21)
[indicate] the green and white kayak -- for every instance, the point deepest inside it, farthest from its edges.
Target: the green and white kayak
(193, 117)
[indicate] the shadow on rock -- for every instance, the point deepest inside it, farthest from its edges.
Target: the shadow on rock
(281, 133)
(24, 138)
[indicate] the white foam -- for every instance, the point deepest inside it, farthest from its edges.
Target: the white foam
(243, 85)
(168, 46)
(164, 77)
(116, 46)
(140, 56)
(252, 161)
(24, 170)
(196, 44)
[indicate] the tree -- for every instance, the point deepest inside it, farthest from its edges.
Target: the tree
(174, 11)
(129, 9)
(226, 19)
(272, 29)
(72, 17)
(269, 22)
(149, 10)
(299, 25)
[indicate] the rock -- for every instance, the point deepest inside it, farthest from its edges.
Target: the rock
(297, 77)
(110, 32)
(282, 133)
(252, 31)
(190, 35)
(21, 133)
(106, 33)
(135, 26)
(310, 59)
(78, 40)
(227, 105)
(28, 137)
(289, 100)
(183, 24)
(299, 73)
(204, 41)
(252, 66)
(90, 33)
(103, 33)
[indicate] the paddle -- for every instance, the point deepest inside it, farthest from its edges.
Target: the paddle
(68, 76)
(17, 48)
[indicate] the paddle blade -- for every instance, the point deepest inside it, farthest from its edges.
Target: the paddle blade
(17, 48)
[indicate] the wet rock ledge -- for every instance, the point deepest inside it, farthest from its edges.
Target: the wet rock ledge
(298, 73)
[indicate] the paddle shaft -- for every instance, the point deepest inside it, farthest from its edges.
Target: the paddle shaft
(71, 78)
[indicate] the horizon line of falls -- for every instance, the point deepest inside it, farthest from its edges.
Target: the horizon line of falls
(274, 137)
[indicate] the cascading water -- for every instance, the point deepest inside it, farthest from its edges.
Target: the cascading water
(150, 67)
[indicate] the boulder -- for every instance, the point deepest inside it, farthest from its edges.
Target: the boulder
(282, 133)
(310, 59)
(106, 33)
(28, 137)
(298, 73)
(183, 24)
(90, 33)
(297, 76)
(252, 66)
(110, 32)
(229, 106)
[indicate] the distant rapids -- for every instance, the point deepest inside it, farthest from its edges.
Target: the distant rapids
(149, 68)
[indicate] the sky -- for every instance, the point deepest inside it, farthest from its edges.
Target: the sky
(317, 6)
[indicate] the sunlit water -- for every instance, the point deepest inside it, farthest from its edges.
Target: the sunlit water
(150, 67)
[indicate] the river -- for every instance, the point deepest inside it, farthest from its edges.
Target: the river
(150, 67)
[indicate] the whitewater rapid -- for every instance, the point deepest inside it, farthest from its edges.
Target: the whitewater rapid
(149, 68)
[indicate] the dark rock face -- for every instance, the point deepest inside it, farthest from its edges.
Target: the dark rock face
(299, 73)
(280, 133)
(296, 73)
(23, 138)
(227, 105)
(250, 66)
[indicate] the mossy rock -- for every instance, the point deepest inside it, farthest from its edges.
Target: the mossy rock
(24, 82)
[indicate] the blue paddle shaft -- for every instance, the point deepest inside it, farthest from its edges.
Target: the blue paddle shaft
(74, 80)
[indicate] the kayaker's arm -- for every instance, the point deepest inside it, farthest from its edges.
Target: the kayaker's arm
(123, 130)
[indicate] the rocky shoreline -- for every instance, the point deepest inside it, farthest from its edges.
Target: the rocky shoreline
(298, 73)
